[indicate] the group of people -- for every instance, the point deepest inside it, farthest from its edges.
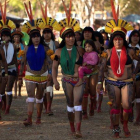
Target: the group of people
(91, 63)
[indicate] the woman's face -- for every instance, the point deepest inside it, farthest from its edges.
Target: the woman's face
(6, 38)
(36, 40)
(87, 35)
(118, 42)
(47, 35)
(77, 36)
(16, 38)
(70, 40)
(104, 36)
(135, 39)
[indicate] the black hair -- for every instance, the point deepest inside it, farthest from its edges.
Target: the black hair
(17, 25)
(132, 33)
(122, 35)
(34, 35)
(19, 40)
(88, 29)
(103, 32)
(50, 31)
(6, 33)
(69, 34)
(99, 35)
(91, 42)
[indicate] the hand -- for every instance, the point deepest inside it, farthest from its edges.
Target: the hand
(84, 64)
(89, 66)
(99, 88)
(49, 76)
(57, 85)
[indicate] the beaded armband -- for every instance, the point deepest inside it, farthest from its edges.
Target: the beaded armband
(104, 54)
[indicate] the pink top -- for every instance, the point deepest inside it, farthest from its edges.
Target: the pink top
(91, 58)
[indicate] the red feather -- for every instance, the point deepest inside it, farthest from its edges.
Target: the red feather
(30, 8)
(42, 10)
(113, 10)
(2, 14)
(70, 10)
(118, 11)
(46, 14)
(27, 11)
(67, 15)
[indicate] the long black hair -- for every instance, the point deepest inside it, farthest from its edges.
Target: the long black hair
(70, 34)
(122, 35)
(99, 35)
(34, 35)
(132, 33)
(19, 40)
(88, 29)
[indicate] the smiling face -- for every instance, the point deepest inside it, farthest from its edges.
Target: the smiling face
(70, 39)
(88, 48)
(118, 42)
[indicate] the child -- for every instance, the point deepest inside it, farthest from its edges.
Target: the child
(89, 58)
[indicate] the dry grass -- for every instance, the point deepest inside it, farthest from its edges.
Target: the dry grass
(56, 127)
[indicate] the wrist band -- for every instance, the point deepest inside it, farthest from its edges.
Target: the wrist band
(6, 74)
(99, 82)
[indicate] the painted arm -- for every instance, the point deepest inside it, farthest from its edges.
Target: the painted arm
(23, 61)
(4, 61)
(54, 71)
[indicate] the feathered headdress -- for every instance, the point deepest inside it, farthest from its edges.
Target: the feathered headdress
(68, 23)
(117, 24)
(5, 25)
(50, 23)
(32, 25)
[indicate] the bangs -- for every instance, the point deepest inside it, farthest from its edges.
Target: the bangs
(47, 31)
(36, 34)
(6, 33)
(70, 34)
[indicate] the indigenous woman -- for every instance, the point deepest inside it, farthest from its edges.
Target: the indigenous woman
(118, 64)
(105, 37)
(78, 37)
(49, 40)
(91, 81)
(134, 42)
(10, 54)
(68, 55)
(38, 63)
(17, 35)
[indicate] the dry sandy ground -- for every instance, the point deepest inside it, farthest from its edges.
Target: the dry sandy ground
(56, 127)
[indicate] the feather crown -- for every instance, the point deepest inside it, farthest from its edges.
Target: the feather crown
(117, 24)
(5, 25)
(50, 23)
(68, 23)
(32, 25)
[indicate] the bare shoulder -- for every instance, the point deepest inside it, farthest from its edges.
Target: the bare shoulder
(58, 51)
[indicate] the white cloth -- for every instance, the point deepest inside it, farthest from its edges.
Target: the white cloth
(70, 109)
(135, 61)
(50, 89)
(31, 74)
(78, 108)
(9, 93)
(51, 44)
(9, 52)
(39, 101)
(30, 100)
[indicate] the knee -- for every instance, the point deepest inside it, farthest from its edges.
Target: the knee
(78, 102)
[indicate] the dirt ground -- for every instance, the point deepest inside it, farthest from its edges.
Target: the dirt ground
(57, 127)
